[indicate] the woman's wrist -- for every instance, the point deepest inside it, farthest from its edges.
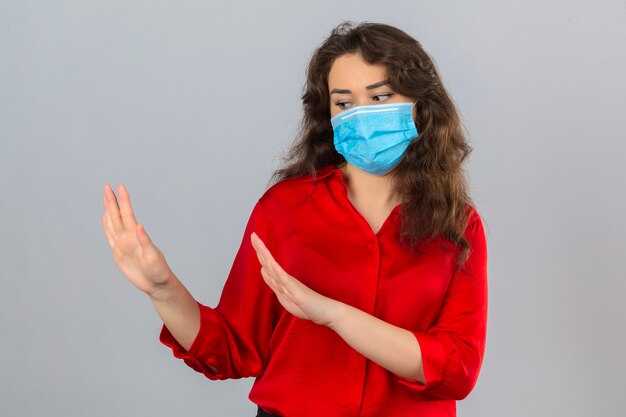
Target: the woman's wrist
(337, 315)
(164, 291)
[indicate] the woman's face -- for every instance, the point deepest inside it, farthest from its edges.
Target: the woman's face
(348, 82)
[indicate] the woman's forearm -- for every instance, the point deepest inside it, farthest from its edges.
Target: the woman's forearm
(392, 347)
(178, 310)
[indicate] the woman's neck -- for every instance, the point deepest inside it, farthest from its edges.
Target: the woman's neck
(368, 189)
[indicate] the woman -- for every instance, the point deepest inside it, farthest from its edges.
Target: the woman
(360, 284)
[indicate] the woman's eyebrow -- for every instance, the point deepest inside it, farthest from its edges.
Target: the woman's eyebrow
(369, 87)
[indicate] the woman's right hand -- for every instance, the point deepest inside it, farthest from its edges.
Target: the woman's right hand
(137, 257)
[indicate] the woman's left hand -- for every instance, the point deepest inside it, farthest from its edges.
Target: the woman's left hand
(297, 298)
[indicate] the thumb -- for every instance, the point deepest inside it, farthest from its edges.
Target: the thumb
(142, 236)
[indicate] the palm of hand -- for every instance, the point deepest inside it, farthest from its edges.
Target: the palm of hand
(133, 251)
(297, 298)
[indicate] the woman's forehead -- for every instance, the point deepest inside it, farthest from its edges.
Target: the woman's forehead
(351, 71)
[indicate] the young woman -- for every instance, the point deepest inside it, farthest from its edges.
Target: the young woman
(360, 284)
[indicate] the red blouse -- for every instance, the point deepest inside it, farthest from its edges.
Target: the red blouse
(303, 369)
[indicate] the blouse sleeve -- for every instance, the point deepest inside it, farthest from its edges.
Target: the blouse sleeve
(234, 336)
(453, 348)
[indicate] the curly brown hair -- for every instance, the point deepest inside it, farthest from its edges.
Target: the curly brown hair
(430, 175)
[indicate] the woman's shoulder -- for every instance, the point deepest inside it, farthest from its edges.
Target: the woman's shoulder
(476, 226)
(474, 217)
(290, 192)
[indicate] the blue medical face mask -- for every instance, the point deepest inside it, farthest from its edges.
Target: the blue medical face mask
(374, 137)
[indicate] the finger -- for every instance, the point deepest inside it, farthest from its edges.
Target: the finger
(277, 268)
(110, 227)
(113, 209)
(106, 231)
(258, 247)
(283, 278)
(270, 283)
(262, 250)
(276, 286)
(142, 236)
(276, 273)
(128, 217)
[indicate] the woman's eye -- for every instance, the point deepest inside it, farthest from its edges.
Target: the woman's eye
(383, 95)
(342, 104)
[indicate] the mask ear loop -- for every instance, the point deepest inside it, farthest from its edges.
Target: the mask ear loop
(412, 116)
(412, 107)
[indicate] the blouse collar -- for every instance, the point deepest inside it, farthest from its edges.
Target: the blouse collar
(329, 170)
(324, 172)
